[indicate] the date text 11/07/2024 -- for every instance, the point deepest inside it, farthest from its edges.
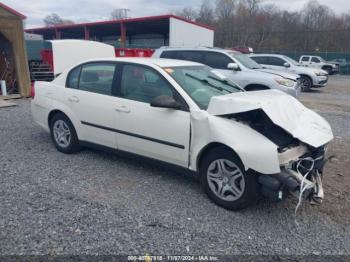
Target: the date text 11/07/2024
(149, 258)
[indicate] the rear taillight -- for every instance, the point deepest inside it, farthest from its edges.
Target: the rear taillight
(32, 90)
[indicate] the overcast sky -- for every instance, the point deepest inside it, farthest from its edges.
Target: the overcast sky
(94, 10)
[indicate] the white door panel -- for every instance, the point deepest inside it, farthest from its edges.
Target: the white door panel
(153, 132)
(95, 113)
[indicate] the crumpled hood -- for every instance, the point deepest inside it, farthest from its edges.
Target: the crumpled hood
(279, 72)
(283, 110)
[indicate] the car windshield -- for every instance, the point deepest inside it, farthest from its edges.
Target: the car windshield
(245, 60)
(291, 60)
(201, 84)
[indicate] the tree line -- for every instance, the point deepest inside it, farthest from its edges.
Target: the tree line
(266, 27)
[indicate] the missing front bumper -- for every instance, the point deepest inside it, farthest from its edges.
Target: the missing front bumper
(302, 179)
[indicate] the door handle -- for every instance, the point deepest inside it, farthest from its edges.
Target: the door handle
(122, 109)
(73, 99)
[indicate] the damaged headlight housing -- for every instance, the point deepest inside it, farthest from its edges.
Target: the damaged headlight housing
(285, 82)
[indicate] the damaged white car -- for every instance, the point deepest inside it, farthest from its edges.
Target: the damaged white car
(242, 144)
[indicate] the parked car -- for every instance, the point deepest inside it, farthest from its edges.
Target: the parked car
(341, 61)
(309, 77)
(179, 112)
(237, 67)
(320, 63)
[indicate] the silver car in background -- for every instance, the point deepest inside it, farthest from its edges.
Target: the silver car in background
(237, 67)
(309, 77)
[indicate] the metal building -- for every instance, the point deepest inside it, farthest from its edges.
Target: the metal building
(143, 32)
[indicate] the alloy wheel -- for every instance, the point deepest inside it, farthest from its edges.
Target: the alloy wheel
(62, 133)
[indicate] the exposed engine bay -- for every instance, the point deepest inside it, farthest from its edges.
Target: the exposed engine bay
(301, 164)
(260, 122)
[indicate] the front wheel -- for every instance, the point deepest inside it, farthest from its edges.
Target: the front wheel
(226, 182)
(305, 83)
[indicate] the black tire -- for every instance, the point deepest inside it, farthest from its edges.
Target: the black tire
(250, 193)
(306, 83)
(73, 145)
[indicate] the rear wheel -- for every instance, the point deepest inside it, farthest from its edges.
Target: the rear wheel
(305, 83)
(63, 134)
(226, 182)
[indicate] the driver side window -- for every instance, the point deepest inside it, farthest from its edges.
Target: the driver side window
(315, 60)
(142, 84)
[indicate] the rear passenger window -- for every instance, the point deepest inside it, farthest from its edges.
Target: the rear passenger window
(305, 59)
(193, 56)
(217, 60)
(97, 78)
(260, 59)
(73, 78)
(169, 54)
(276, 61)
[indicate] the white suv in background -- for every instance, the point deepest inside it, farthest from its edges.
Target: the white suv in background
(235, 66)
(319, 62)
(309, 77)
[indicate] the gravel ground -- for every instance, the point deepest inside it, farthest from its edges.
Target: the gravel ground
(97, 203)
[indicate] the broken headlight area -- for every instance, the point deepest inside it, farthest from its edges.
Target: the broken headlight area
(301, 177)
(260, 122)
(301, 165)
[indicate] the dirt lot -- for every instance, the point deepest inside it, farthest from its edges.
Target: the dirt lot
(333, 103)
(97, 203)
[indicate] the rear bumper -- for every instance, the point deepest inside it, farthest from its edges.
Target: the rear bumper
(40, 115)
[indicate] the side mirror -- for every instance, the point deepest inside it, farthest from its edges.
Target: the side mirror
(165, 101)
(287, 65)
(233, 66)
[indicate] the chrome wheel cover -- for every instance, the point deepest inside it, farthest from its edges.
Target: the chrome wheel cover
(225, 179)
(61, 133)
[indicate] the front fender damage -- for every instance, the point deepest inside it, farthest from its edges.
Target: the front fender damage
(255, 151)
(274, 135)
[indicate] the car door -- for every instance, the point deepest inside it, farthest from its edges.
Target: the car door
(159, 133)
(89, 95)
(305, 60)
(315, 62)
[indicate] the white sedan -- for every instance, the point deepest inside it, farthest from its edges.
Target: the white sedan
(242, 144)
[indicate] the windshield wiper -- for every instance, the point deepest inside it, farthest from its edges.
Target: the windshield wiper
(224, 81)
(207, 82)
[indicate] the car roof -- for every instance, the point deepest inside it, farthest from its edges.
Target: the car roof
(267, 55)
(161, 62)
(199, 48)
